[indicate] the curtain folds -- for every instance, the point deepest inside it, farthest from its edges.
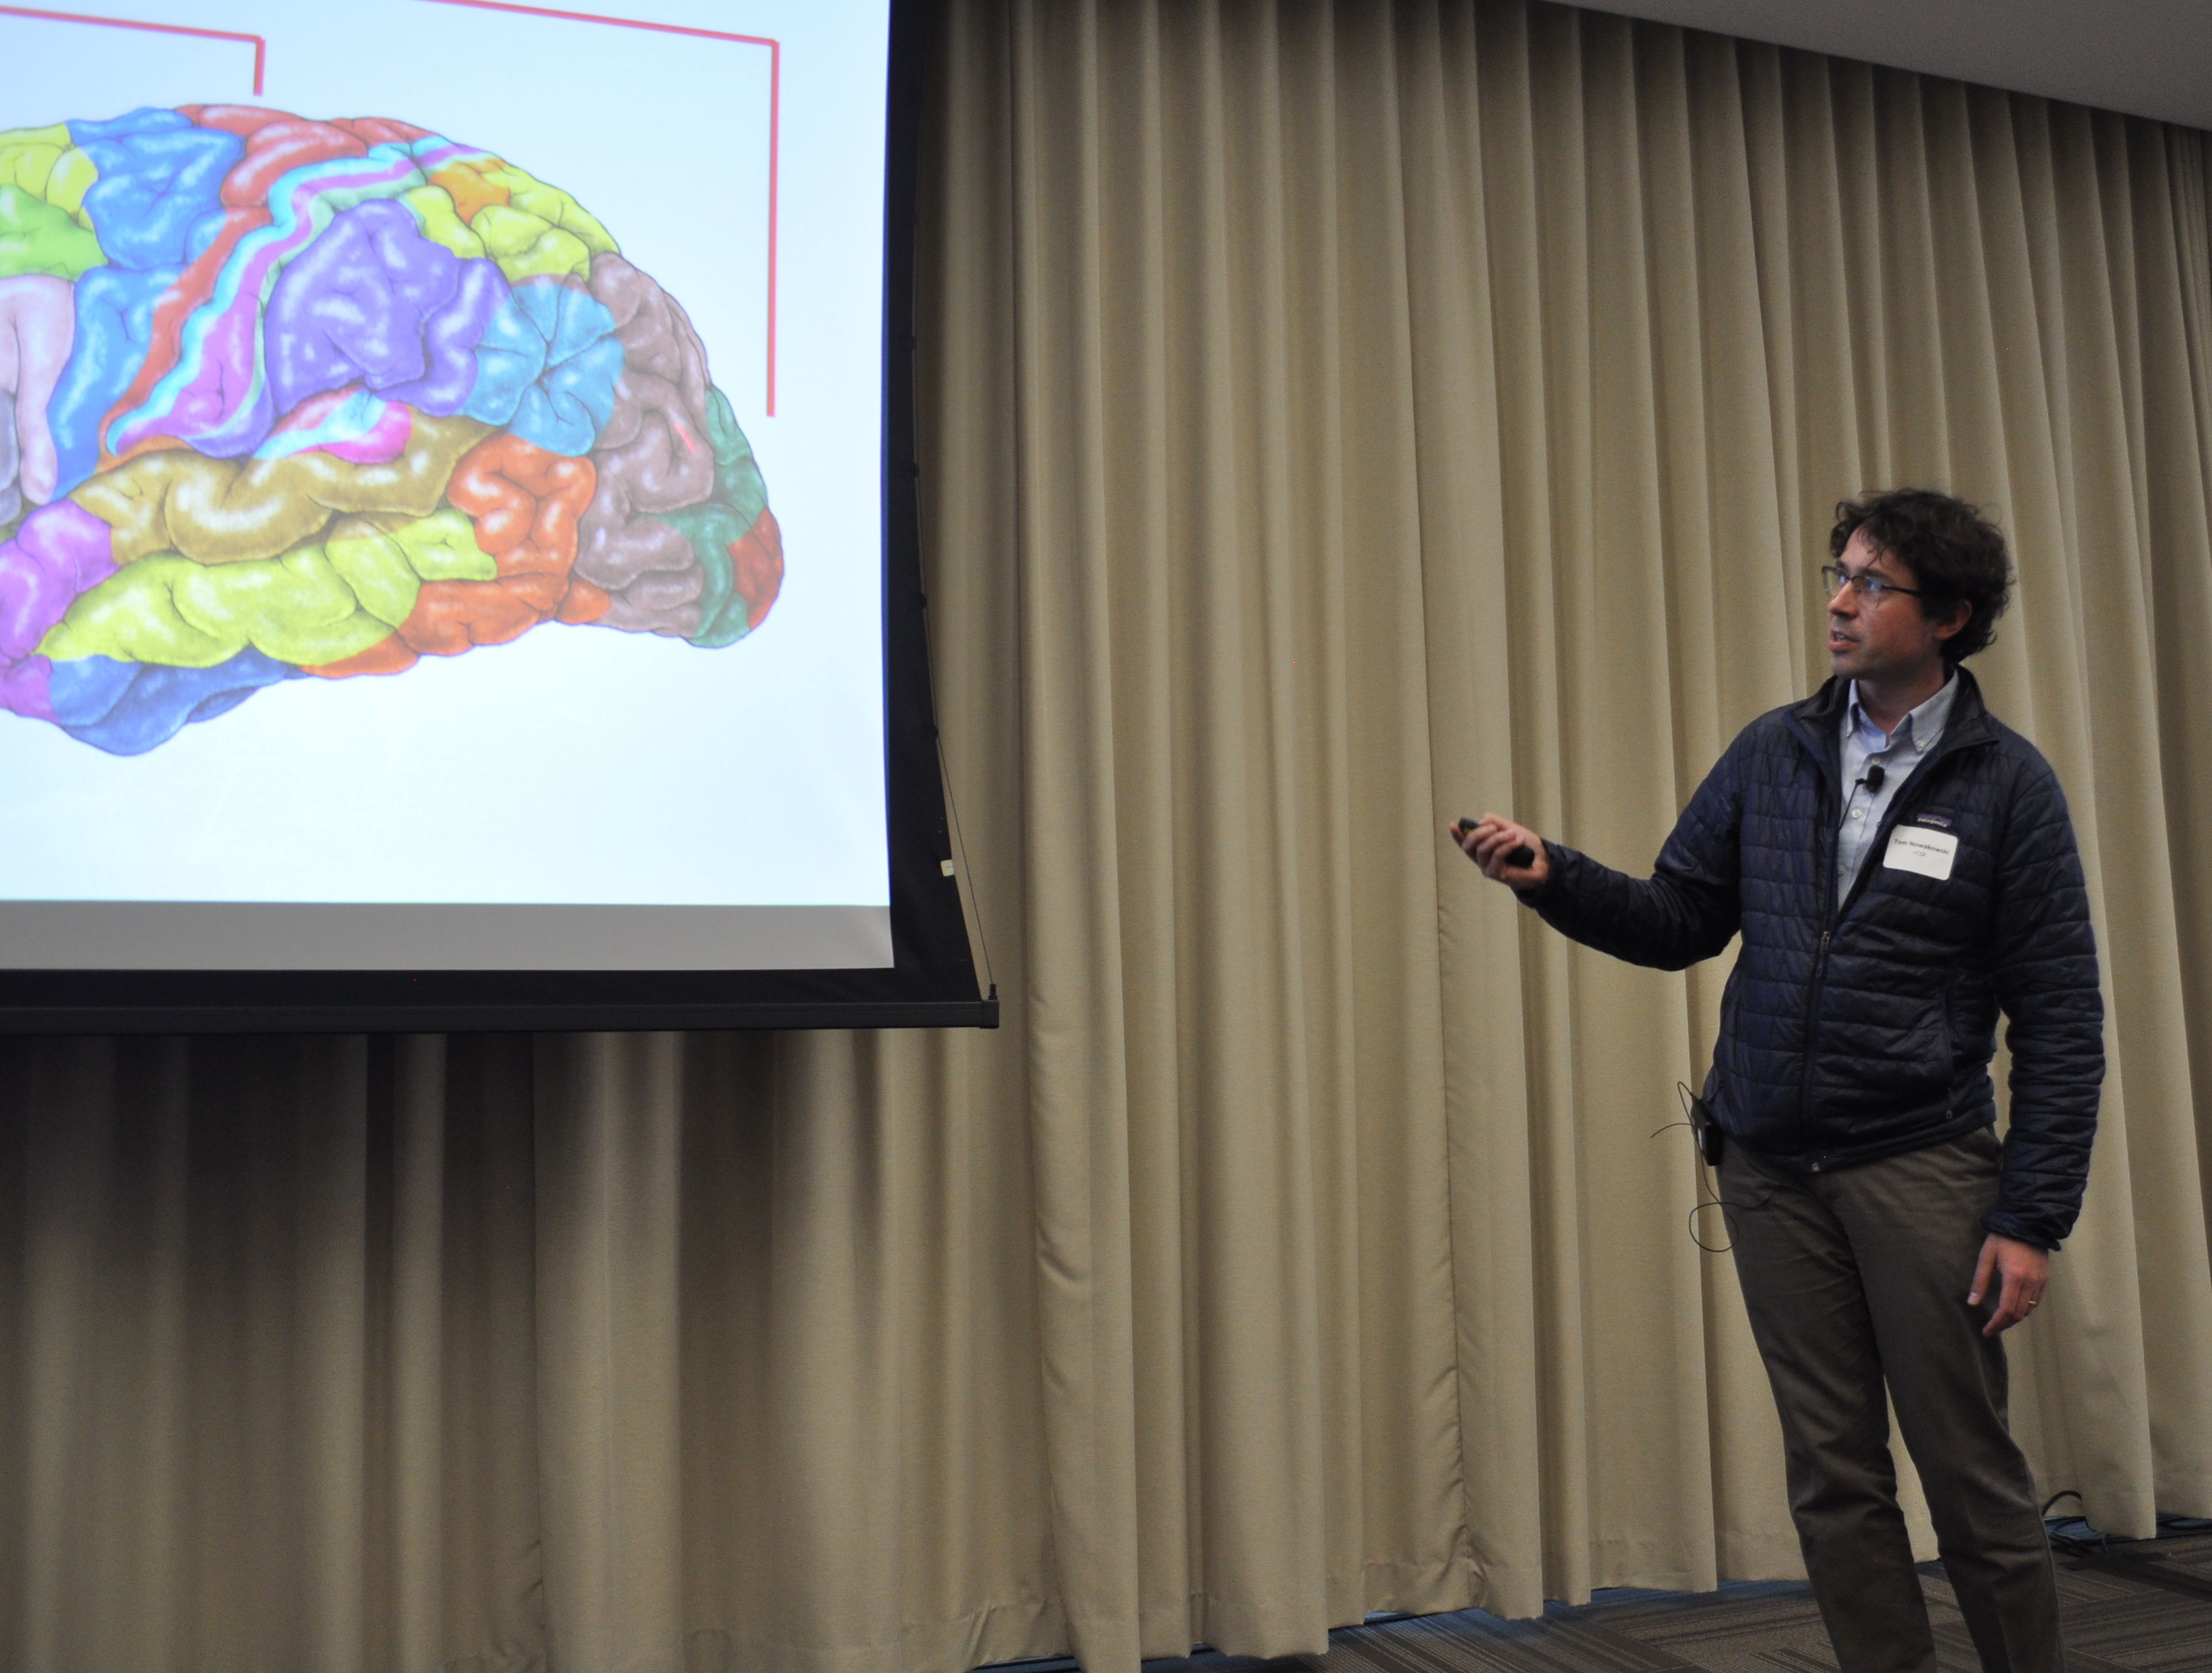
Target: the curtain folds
(1339, 417)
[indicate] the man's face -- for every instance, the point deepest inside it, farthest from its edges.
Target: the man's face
(1893, 640)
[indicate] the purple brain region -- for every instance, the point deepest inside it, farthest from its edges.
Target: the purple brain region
(282, 398)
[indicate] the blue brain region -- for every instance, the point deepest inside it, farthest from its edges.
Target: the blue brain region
(284, 398)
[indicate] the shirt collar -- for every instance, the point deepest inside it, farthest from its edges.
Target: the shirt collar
(1922, 728)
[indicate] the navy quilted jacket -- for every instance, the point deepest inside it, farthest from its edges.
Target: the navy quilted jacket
(1855, 1032)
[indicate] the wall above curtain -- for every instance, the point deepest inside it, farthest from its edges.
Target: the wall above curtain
(2148, 58)
(1338, 418)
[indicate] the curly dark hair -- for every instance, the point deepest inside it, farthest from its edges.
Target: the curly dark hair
(1954, 552)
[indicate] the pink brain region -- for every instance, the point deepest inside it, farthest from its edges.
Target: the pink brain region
(284, 398)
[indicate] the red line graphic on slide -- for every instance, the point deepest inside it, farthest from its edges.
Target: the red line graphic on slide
(774, 111)
(260, 47)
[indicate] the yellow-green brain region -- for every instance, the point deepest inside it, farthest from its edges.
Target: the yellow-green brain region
(284, 398)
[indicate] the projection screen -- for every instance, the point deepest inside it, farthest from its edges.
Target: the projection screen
(458, 561)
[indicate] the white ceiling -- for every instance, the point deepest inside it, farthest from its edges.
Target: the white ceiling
(2148, 58)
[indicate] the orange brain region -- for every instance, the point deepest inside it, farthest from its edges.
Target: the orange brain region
(284, 398)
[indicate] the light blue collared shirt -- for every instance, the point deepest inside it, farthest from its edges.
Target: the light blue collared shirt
(1914, 740)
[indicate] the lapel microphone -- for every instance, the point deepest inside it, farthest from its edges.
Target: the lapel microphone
(1874, 776)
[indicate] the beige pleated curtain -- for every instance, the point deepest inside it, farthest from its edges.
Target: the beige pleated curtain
(1337, 419)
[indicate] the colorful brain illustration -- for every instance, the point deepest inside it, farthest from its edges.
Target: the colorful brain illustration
(282, 398)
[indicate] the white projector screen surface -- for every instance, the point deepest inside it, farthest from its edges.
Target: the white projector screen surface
(441, 514)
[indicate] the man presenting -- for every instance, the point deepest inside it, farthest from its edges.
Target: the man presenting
(1902, 867)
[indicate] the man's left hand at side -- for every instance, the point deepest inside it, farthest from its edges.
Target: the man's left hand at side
(2018, 1271)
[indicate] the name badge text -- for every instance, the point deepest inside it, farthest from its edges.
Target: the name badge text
(1916, 849)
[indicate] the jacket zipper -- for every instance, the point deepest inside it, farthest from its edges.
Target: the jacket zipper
(1825, 882)
(1812, 1023)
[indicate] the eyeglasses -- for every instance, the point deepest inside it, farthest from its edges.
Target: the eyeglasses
(1866, 584)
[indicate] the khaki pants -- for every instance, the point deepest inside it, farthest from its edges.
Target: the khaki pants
(1858, 1277)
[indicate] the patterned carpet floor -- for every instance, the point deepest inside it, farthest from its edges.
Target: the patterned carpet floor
(2136, 1607)
(2139, 1608)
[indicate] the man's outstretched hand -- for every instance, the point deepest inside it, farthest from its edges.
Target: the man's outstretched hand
(1490, 839)
(2019, 1270)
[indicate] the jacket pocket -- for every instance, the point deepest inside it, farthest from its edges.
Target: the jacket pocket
(1914, 1061)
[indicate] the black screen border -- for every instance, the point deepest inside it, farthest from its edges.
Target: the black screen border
(932, 982)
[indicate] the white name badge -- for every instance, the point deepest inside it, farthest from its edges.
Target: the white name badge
(1915, 849)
